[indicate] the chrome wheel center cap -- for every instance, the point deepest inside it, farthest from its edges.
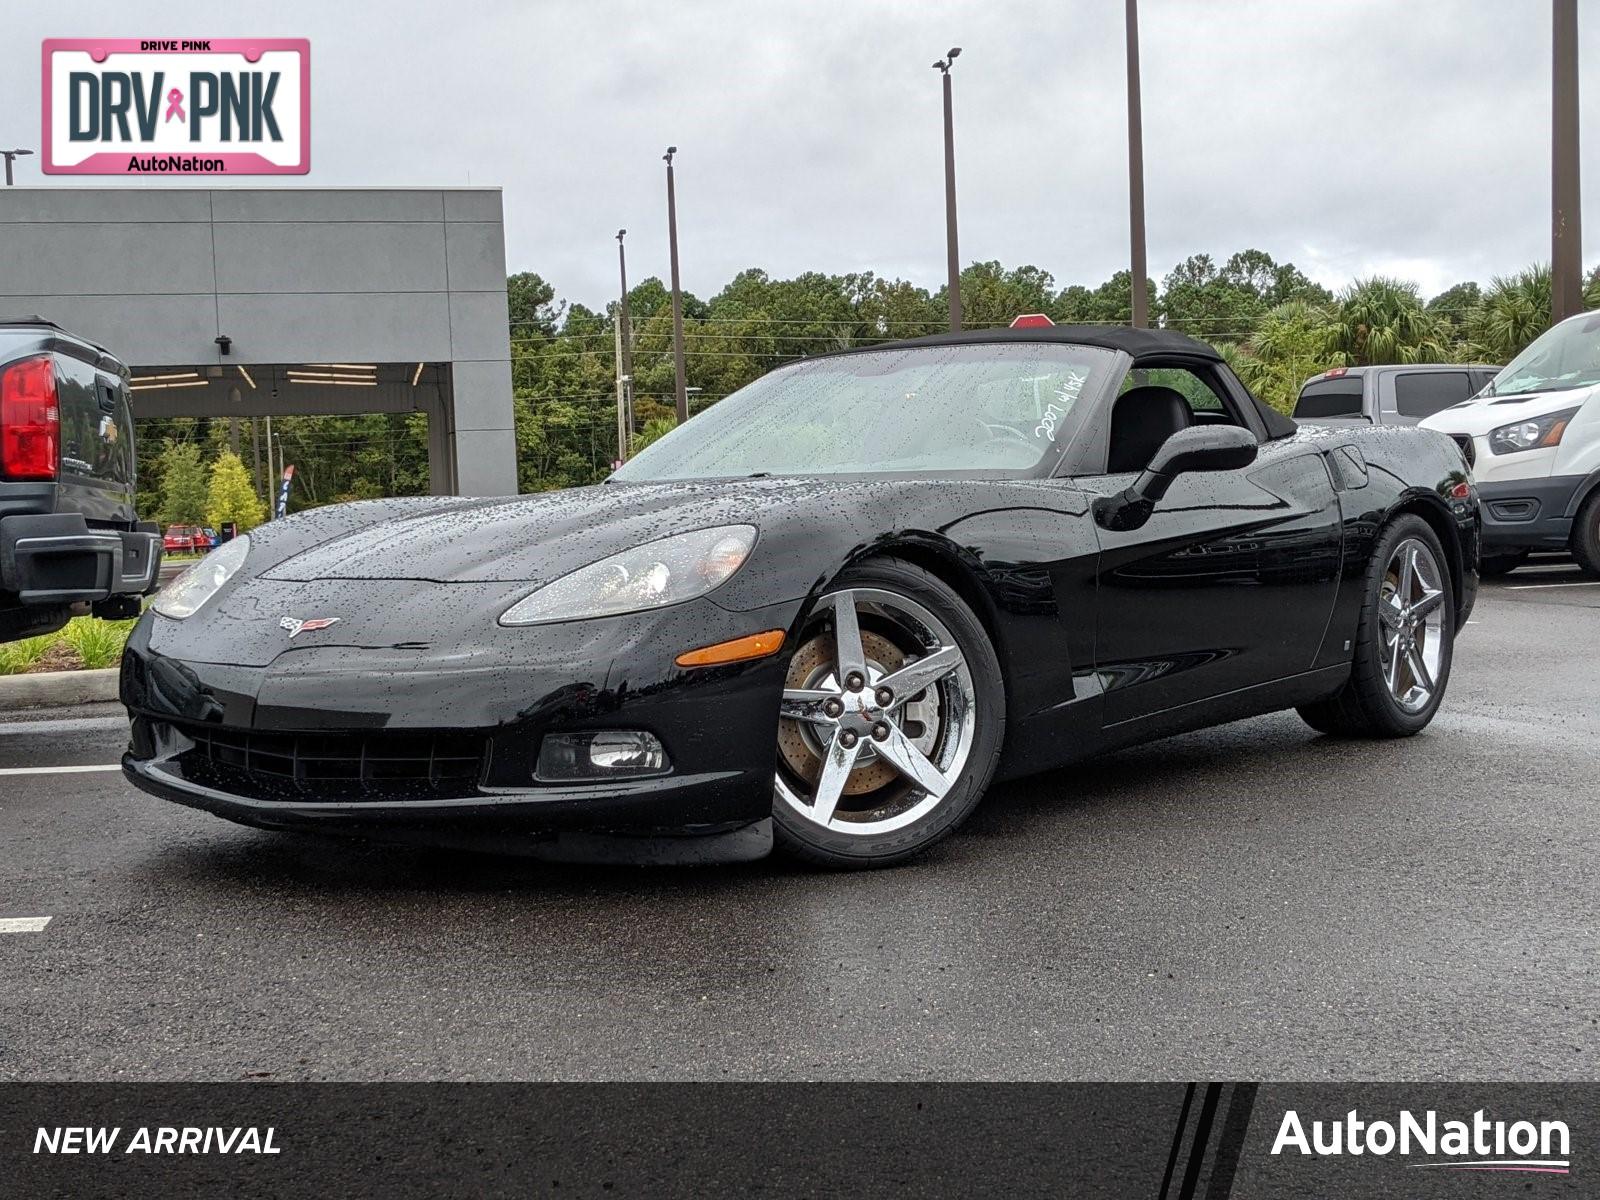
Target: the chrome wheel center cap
(861, 711)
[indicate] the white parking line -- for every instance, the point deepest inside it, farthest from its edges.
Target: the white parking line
(1526, 587)
(59, 770)
(23, 924)
(63, 725)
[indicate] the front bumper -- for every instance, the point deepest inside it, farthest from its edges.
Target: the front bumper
(56, 558)
(718, 724)
(1528, 513)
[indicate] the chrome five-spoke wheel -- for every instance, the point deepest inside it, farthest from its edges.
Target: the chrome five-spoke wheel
(883, 718)
(1404, 639)
(1411, 610)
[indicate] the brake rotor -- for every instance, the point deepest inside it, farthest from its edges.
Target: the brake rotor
(813, 666)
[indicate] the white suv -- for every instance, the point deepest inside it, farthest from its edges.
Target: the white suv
(1532, 439)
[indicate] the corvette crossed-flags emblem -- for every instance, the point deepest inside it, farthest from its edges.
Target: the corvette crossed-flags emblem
(296, 627)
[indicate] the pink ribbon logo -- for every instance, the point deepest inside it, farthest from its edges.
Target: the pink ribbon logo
(175, 105)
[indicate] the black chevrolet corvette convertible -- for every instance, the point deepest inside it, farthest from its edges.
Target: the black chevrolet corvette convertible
(826, 613)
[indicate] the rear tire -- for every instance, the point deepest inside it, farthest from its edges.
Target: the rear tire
(1586, 536)
(1404, 640)
(875, 770)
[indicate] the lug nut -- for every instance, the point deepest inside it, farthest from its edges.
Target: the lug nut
(848, 740)
(880, 732)
(854, 681)
(833, 707)
(884, 697)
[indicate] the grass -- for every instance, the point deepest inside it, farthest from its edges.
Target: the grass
(98, 643)
(87, 642)
(17, 657)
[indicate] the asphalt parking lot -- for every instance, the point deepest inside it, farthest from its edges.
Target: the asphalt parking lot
(1250, 902)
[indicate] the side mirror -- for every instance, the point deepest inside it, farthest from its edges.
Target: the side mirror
(1198, 448)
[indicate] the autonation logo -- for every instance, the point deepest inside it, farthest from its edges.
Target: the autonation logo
(1476, 1145)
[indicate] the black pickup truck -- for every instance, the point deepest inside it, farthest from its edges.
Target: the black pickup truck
(70, 541)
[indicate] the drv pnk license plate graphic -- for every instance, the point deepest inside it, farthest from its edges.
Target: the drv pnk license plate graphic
(172, 106)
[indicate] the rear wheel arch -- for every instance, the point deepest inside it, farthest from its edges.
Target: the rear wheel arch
(1433, 511)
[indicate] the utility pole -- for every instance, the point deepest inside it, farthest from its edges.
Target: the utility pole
(622, 398)
(10, 157)
(255, 452)
(1566, 230)
(624, 356)
(1137, 268)
(677, 294)
(952, 254)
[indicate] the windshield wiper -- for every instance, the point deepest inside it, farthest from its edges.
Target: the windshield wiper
(1552, 387)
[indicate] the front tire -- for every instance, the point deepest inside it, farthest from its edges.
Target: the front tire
(1586, 536)
(892, 720)
(1405, 640)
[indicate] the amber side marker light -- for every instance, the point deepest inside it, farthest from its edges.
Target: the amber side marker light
(756, 645)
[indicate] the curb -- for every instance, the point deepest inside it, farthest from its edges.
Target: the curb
(53, 688)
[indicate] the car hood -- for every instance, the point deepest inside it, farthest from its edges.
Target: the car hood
(1476, 417)
(530, 539)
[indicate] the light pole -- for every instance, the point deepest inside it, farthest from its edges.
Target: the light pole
(1566, 230)
(952, 255)
(10, 157)
(1141, 299)
(624, 356)
(677, 294)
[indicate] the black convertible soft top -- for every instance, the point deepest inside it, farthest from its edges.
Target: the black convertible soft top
(1137, 342)
(1140, 343)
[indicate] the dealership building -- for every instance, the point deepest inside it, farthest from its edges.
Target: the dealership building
(254, 302)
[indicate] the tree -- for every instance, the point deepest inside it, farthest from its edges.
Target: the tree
(992, 297)
(183, 485)
(1288, 347)
(654, 431)
(1275, 283)
(1455, 304)
(1378, 321)
(1514, 311)
(1201, 301)
(231, 497)
(532, 305)
(1109, 304)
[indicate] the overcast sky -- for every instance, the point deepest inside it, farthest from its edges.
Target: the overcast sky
(1408, 137)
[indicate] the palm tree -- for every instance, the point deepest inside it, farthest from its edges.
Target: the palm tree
(1288, 346)
(1380, 320)
(1514, 310)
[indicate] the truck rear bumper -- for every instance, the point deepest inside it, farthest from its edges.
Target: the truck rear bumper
(56, 559)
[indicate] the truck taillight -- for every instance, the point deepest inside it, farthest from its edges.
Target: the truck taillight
(30, 419)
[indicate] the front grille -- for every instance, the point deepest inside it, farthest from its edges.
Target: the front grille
(1467, 451)
(334, 766)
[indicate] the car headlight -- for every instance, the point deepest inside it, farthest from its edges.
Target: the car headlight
(184, 595)
(1533, 434)
(654, 575)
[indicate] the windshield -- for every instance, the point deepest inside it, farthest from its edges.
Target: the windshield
(994, 408)
(1559, 359)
